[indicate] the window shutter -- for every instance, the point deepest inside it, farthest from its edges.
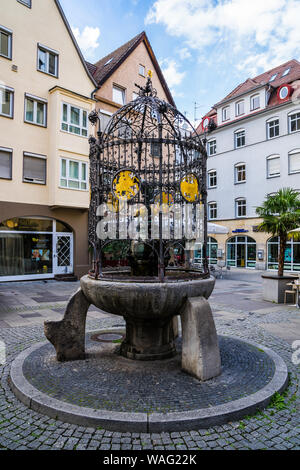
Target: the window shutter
(274, 166)
(5, 164)
(34, 169)
(294, 162)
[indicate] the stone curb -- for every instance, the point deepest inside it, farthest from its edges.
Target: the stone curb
(145, 422)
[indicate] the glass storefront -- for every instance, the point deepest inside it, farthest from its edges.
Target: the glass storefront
(30, 248)
(241, 252)
(212, 249)
(291, 255)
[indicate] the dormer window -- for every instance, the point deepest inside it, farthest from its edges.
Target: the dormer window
(109, 61)
(273, 77)
(225, 114)
(286, 72)
(254, 102)
(239, 108)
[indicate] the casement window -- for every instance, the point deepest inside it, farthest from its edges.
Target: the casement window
(212, 178)
(25, 2)
(239, 139)
(5, 42)
(254, 102)
(34, 168)
(273, 166)
(240, 173)
(73, 174)
(6, 101)
(74, 120)
(239, 108)
(211, 147)
(135, 96)
(212, 210)
(47, 61)
(105, 117)
(225, 113)
(154, 149)
(273, 128)
(294, 122)
(240, 207)
(118, 95)
(35, 110)
(142, 70)
(5, 163)
(294, 161)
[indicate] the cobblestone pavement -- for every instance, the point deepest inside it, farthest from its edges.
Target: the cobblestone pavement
(244, 315)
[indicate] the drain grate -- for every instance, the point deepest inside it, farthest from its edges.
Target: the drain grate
(108, 337)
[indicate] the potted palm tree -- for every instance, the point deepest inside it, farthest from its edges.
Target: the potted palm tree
(281, 214)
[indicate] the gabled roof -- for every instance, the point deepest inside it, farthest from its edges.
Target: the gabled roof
(106, 66)
(90, 75)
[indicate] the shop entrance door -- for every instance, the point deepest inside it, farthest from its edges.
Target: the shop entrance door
(63, 253)
(241, 255)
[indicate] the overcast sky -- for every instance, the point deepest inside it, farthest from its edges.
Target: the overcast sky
(205, 47)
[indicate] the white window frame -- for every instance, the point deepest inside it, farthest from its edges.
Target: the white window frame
(240, 203)
(10, 151)
(32, 180)
(123, 90)
(8, 33)
(290, 117)
(212, 208)
(269, 158)
(252, 101)
(226, 113)
(70, 124)
(11, 91)
(67, 178)
(48, 51)
(236, 137)
(211, 147)
(237, 171)
(269, 122)
(293, 152)
(212, 174)
(237, 104)
(142, 70)
(36, 100)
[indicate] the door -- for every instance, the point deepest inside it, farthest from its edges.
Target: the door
(63, 253)
(240, 255)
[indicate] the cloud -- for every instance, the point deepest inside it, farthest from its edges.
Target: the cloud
(184, 53)
(253, 35)
(87, 39)
(171, 73)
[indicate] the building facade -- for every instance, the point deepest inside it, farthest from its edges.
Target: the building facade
(253, 144)
(45, 98)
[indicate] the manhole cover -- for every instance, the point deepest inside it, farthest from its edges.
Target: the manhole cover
(107, 337)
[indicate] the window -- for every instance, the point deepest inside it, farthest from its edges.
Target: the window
(286, 72)
(142, 70)
(273, 77)
(155, 149)
(135, 96)
(34, 168)
(225, 113)
(240, 139)
(212, 179)
(294, 161)
(5, 163)
(118, 95)
(211, 147)
(35, 110)
(273, 128)
(284, 92)
(273, 166)
(294, 122)
(239, 108)
(74, 120)
(25, 2)
(212, 210)
(105, 117)
(254, 102)
(240, 208)
(240, 173)
(73, 174)
(5, 43)
(47, 61)
(6, 101)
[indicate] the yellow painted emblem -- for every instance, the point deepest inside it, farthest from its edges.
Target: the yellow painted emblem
(167, 198)
(113, 203)
(150, 73)
(189, 188)
(126, 185)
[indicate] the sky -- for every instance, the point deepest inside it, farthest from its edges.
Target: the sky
(204, 47)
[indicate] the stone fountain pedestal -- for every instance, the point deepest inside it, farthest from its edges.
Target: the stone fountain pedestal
(149, 308)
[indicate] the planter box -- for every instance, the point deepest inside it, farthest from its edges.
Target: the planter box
(274, 287)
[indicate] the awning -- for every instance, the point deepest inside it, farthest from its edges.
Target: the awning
(216, 228)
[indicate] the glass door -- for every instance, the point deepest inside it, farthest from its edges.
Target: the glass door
(63, 253)
(241, 255)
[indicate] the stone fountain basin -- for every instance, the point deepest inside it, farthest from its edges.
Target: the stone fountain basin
(144, 300)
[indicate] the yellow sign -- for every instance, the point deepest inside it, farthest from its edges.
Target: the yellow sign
(189, 188)
(126, 185)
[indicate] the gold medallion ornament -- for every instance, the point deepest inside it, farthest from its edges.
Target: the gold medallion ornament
(167, 198)
(125, 185)
(189, 188)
